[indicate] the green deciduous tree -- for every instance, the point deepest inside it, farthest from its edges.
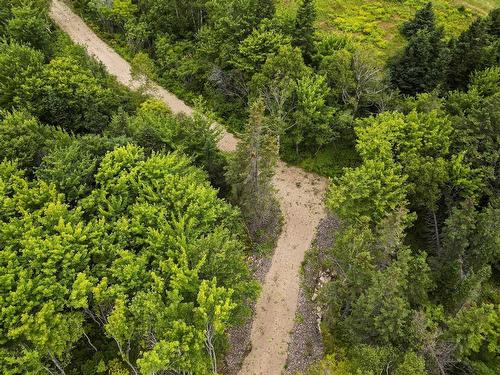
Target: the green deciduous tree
(369, 192)
(68, 95)
(419, 142)
(312, 116)
(258, 47)
(17, 63)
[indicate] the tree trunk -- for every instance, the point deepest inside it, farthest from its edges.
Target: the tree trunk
(436, 232)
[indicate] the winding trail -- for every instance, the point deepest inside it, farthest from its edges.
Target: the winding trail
(300, 195)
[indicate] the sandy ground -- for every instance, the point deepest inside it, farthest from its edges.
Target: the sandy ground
(306, 345)
(301, 199)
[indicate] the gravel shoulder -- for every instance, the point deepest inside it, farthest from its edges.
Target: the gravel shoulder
(306, 344)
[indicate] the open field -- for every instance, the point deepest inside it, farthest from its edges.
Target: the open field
(376, 22)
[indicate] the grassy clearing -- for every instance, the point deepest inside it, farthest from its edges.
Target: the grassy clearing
(328, 161)
(376, 22)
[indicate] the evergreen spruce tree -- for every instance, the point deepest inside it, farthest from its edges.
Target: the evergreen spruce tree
(266, 8)
(304, 29)
(251, 170)
(420, 68)
(467, 55)
(477, 48)
(424, 20)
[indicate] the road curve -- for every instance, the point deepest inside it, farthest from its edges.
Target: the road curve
(300, 195)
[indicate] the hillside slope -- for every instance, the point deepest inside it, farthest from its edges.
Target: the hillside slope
(377, 22)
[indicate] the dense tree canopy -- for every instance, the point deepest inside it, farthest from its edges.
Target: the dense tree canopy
(119, 252)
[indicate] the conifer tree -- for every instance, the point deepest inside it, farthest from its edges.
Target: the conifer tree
(475, 49)
(424, 20)
(251, 170)
(304, 29)
(421, 66)
(266, 8)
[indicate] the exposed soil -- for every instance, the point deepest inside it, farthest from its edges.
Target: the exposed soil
(239, 336)
(300, 195)
(306, 345)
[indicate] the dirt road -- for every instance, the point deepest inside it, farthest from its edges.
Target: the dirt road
(300, 195)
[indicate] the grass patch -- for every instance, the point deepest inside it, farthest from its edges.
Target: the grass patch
(329, 161)
(377, 22)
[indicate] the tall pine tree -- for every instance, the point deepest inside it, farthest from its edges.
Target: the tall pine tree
(304, 29)
(424, 20)
(476, 48)
(251, 170)
(420, 68)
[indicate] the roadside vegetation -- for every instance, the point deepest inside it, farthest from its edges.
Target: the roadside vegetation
(118, 254)
(120, 251)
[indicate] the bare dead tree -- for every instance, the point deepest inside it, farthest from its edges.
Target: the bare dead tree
(439, 354)
(209, 345)
(231, 84)
(434, 236)
(368, 80)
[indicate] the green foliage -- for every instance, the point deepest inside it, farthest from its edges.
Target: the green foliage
(356, 79)
(151, 259)
(413, 364)
(45, 257)
(304, 29)
(177, 62)
(312, 116)
(230, 22)
(424, 20)
(250, 172)
(71, 166)
(24, 139)
(65, 94)
(163, 203)
(155, 129)
(476, 330)
(17, 64)
(261, 44)
(419, 142)
(369, 192)
(470, 245)
(475, 49)
(29, 24)
(475, 116)
(114, 14)
(420, 68)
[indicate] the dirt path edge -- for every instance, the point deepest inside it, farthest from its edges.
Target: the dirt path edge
(300, 195)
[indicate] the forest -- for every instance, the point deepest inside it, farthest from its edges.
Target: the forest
(128, 238)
